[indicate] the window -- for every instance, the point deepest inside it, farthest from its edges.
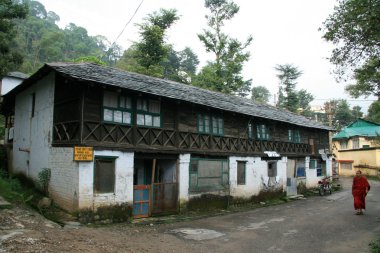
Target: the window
(355, 143)
(294, 136)
(262, 132)
(241, 172)
(117, 108)
(272, 169)
(104, 175)
(250, 130)
(321, 169)
(300, 168)
(343, 144)
(208, 175)
(210, 124)
(365, 146)
(313, 164)
(148, 112)
(346, 166)
(217, 125)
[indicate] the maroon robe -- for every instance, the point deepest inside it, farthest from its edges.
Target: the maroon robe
(359, 187)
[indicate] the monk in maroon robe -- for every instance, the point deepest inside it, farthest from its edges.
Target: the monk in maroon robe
(360, 188)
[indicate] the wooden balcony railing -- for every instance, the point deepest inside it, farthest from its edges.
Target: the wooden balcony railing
(124, 136)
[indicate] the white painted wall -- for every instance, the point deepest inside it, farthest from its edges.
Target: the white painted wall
(311, 174)
(256, 175)
(184, 164)
(63, 187)
(33, 133)
(123, 181)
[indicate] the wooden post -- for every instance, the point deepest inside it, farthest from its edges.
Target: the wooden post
(152, 184)
(81, 125)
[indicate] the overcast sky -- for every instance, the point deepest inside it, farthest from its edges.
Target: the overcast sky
(284, 32)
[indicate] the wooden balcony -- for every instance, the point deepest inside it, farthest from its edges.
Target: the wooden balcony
(125, 137)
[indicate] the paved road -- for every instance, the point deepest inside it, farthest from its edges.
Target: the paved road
(316, 224)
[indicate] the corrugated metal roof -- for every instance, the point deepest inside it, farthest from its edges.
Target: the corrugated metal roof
(178, 91)
(359, 128)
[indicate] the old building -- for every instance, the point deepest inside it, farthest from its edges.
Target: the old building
(357, 146)
(112, 137)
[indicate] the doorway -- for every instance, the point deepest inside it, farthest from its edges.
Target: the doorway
(155, 186)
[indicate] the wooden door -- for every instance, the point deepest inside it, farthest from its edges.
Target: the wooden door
(141, 201)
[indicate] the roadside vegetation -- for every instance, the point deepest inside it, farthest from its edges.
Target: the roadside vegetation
(375, 246)
(17, 190)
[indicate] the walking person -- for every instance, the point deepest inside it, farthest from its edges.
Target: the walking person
(360, 188)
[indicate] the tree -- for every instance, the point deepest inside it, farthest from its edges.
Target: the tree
(260, 94)
(288, 96)
(304, 100)
(151, 49)
(41, 40)
(188, 62)
(151, 55)
(354, 30)
(9, 11)
(374, 112)
(356, 112)
(367, 80)
(343, 114)
(339, 113)
(224, 73)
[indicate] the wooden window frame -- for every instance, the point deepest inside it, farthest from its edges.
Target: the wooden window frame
(208, 126)
(122, 109)
(241, 181)
(262, 132)
(250, 130)
(294, 136)
(147, 112)
(274, 169)
(95, 184)
(315, 162)
(194, 171)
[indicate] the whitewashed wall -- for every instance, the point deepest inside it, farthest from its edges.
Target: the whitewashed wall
(311, 174)
(32, 135)
(63, 187)
(184, 164)
(123, 181)
(256, 176)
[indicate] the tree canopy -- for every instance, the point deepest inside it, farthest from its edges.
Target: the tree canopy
(355, 31)
(374, 112)
(260, 94)
(41, 40)
(153, 56)
(223, 74)
(339, 114)
(10, 10)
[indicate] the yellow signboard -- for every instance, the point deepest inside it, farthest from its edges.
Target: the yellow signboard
(83, 154)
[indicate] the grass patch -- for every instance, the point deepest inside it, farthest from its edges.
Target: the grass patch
(375, 246)
(12, 189)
